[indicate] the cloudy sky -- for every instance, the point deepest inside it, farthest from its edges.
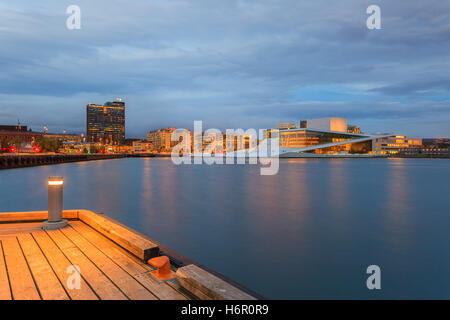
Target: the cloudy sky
(230, 63)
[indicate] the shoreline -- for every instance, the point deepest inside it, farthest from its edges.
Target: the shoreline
(24, 161)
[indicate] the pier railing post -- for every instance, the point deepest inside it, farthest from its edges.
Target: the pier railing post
(55, 204)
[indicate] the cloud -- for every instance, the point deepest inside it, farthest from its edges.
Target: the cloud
(231, 63)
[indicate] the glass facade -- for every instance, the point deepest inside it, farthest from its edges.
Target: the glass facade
(352, 148)
(306, 138)
(396, 144)
(106, 123)
(324, 142)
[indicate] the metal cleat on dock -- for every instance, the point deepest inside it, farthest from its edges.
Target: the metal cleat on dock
(162, 265)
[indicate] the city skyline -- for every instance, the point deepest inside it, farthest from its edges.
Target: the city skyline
(233, 65)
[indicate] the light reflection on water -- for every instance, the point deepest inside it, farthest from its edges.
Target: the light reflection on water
(308, 232)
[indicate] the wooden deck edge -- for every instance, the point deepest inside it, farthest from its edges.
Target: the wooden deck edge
(140, 246)
(207, 286)
(178, 261)
(33, 216)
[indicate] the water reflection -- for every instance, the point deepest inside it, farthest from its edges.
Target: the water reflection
(397, 219)
(323, 221)
(339, 187)
(147, 189)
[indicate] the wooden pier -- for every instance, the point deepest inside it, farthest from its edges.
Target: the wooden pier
(107, 258)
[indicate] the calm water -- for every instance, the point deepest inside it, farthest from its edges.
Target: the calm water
(308, 232)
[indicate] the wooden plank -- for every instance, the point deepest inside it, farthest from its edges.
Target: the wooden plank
(13, 229)
(132, 288)
(104, 288)
(135, 243)
(128, 262)
(60, 265)
(132, 265)
(33, 216)
(47, 282)
(5, 290)
(21, 280)
(206, 286)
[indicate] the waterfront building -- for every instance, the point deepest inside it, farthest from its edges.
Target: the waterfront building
(436, 143)
(425, 151)
(83, 147)
(142, 146)
(235, 142)
(106, 123)
(332, 136)
(328, 124)
(63, 137)
(162, 139)
(398, 144)
(119, 149)
(13, 137)
(304, 140)
(220, 142)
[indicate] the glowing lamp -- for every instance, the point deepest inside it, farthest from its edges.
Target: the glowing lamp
(55, 182)
(55, 204)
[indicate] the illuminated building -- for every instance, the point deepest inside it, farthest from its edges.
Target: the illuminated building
(119, 149)
(142, 146)
(71, 138)
(332, 136)
(294, 142)
(398, 144)
(162, 139)
(106, 123)
(235, 142)
(13, 137)
(221, 142)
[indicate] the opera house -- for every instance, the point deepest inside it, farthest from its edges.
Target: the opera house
(333, 137)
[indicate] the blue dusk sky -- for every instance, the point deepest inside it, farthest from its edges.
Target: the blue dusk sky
(231, 63)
